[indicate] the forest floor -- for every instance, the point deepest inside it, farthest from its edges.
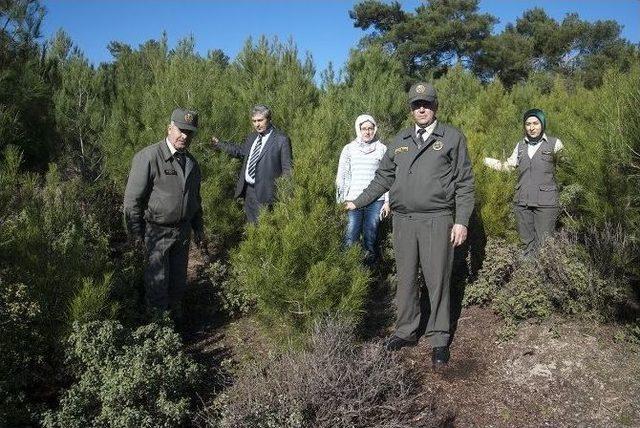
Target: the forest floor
(560, 372)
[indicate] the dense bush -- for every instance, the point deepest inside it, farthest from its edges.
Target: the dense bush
(497, 268)
(561, 278)
(26, 107)
(52, 242)
(335, 383)
(525, 295)
(233, 298)
(126, 378)
(298, 271)
(21, 365)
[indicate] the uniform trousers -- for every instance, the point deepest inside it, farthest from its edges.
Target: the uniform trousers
(534, 225)
(423, 240)
(165, 276)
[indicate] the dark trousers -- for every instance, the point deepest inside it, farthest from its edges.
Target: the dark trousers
(425, 242)
(165, 276)
(251, 204)
(534, 225)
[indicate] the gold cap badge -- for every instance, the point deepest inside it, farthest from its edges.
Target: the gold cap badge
(188, 118)
(420, 89)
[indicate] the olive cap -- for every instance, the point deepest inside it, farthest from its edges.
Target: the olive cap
(185, 119)
(422, 91)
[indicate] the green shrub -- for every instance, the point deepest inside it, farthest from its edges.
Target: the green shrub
(22, 347)
(611, 249)
(630, 333)
(561, 278)
(294, 265)
(574, 285)
(524, 296)
(92, 303)
(604, 162)
(498, 266)
(52, 242)
(126, 378)
(234, 299)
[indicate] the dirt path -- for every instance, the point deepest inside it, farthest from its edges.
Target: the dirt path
(558, 373)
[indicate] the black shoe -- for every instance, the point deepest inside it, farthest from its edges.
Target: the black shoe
(440, 356)
(395, 343)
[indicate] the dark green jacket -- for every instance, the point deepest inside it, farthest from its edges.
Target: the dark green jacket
(159, 192)
(433, 179)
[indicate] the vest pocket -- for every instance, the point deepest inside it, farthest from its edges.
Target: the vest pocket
(548, 195)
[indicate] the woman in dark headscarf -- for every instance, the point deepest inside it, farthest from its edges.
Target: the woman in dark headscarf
(536, 199)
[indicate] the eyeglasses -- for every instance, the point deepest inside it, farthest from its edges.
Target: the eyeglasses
(367, 129)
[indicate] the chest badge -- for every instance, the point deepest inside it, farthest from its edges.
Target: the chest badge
(170, 172)
(401, 149)
(438, 145)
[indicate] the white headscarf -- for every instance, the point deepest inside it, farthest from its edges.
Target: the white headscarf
(366, 147)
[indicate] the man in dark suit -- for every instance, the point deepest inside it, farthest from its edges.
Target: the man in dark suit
(266, 155)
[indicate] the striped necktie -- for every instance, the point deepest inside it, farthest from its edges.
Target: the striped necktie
(253, 159)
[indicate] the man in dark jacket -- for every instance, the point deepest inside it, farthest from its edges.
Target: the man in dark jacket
(266, 155)
(427, 171)
(161, 206)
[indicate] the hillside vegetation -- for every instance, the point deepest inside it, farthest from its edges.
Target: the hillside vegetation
(77, 347)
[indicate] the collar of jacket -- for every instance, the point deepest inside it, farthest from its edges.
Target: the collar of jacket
(166, 153)
(409, 132)
(533, 143)
(271, 131)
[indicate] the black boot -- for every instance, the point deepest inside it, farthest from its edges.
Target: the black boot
(440, 356)
(395, 343)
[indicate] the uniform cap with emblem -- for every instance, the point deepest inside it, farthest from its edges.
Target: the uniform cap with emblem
(185, 119)
(422, 91)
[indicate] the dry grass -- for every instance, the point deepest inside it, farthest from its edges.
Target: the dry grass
(336, 382)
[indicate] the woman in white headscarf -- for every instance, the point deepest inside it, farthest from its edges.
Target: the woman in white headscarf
(357, 166)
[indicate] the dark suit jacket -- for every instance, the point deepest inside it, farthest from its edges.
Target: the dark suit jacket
(274, 161)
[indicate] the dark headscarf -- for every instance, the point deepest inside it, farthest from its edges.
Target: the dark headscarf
(535, 112)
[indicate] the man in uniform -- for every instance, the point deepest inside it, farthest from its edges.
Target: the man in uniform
(161, 206)
(266, 155)
(427, 171)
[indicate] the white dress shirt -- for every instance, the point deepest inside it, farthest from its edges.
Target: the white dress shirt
(428, 130)
(512, 161)
(265, 137)
(171, 148)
